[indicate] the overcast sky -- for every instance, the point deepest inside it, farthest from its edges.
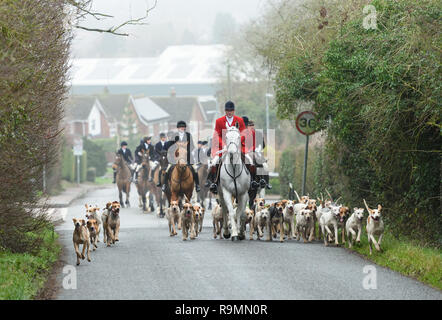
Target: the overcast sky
(174, 16)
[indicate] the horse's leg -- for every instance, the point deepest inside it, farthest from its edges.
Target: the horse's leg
(127, 194)
(231, 214)
(120, 191)
(240, 210)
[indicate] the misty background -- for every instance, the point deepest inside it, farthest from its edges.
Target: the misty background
(171, 22)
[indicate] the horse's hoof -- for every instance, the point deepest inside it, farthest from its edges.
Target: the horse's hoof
(235, 238)
(242, 237)
(226, 236)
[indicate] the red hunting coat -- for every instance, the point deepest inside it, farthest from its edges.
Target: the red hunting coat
(222, 124)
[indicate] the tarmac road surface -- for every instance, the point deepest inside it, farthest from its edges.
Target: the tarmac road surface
(148, 264)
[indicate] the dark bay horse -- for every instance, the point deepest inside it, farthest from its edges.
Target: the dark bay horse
(123, 179)
(181, 178)
(158, 179)
(143, 179)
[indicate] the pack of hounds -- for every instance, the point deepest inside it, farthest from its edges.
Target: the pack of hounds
(87, 232)
(285, 219)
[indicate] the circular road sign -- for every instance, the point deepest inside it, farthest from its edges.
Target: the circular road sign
(306, 122)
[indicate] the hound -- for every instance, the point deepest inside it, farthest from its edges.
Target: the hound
(375, 226)
(217, 216)
(303, 222)
(250, 220)
(172, 214)
(104, 217)
(113, 223)
(261, 220)
(344, 213)
(276, 221)
(188, 221)
(353, 225)
(198, 212)
(94, 214)
(329, 225)
(81, 237)
(289, 218)
(93, 229)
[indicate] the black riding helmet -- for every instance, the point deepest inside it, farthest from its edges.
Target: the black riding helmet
(123, 143)
(181, 124)
(230, 106)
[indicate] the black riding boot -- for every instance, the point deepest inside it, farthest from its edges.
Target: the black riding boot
(212, 179)
(136, 177)
(115, 176)
(195, 179)
(253, 184)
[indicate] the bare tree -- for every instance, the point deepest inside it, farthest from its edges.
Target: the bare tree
(83, 9)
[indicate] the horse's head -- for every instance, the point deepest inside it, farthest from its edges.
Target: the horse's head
(118, 161)
(163, 159)
(181, 153)
(145, 158)
(233, 140)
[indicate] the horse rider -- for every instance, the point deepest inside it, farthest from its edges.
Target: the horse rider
(226, 121)
(145, 145)
(257, 146)
(125, 152)
(182, 136)
(160, 147)
(199, 154)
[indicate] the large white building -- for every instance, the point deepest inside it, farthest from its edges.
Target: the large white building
(189, 70)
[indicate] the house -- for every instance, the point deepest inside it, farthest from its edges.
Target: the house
(187, 109)
(150, 118)
(85, 117)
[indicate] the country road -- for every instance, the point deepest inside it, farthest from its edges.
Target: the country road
(148, 264)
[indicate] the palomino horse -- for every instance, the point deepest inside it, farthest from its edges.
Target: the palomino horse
(181, 179)
(123, 178)
(234, 182)
(143, 177)
(159, 177)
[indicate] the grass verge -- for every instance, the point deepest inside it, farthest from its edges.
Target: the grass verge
(22, 275)
(406, 257)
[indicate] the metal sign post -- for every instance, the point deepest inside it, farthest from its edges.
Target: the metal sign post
(306, 124)
(78, 152)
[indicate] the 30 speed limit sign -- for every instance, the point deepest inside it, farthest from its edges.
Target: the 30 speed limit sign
(306, 122)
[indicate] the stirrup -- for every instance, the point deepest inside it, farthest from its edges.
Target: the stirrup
(262, 183)
(197, 188)
(254, 185)
(207, 184)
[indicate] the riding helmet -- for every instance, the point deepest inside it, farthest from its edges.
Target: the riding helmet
(230, 106)
(123, 143)
(246, 120)
(181, 124)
